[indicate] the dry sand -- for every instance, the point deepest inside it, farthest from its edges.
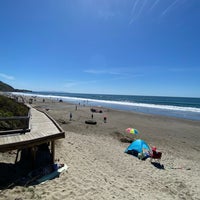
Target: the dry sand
(99, 168)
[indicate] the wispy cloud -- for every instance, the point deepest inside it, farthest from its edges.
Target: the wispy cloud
(154, 5)
(5, 76)
(106, 14)
(134, 6)
(184, 69)
(93, 71)
(133, 11)
(128, 76)
(117, 74)
(141, 8)
(169, 7)
(72, 83)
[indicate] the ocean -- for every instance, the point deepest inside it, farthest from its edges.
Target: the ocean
(180, 107)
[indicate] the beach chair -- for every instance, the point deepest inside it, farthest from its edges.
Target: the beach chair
(155, 155)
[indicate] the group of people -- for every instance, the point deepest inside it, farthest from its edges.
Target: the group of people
(92, 116)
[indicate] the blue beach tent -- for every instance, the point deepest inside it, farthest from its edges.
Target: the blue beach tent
(136, 147)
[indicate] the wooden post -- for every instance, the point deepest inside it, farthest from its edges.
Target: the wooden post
(17, 156)
(53, 150)
(33, 152)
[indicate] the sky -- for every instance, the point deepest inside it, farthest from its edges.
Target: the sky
(131, 47)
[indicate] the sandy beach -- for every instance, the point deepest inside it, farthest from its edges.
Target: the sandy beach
(99, 168)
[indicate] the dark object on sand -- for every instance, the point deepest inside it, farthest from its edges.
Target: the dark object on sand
(158, 165)
(96, 110)
(91, 122)
(126, 140)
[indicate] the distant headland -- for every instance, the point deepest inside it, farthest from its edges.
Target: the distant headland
(7, 88)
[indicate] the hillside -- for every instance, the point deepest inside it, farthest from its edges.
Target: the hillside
(7, 88)
(9, 108)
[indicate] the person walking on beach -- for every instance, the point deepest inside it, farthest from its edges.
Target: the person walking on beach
(70, 116)
(92, 116)
(104, 119)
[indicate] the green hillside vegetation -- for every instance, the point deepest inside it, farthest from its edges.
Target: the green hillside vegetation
(10, 108)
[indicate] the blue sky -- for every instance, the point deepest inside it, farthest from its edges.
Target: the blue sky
(136, 47)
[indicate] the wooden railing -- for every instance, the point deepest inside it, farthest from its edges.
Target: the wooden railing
(23, 129)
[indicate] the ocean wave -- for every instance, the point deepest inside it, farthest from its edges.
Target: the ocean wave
(120, 103)
(156, 106)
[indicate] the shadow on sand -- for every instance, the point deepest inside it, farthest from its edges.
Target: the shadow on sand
(16, 174)
(158, 165)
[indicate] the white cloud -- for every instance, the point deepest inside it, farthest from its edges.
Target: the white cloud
(5, 76)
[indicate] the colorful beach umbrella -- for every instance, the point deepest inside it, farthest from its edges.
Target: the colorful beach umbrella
(132, 131)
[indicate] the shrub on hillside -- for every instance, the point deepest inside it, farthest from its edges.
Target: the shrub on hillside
(10, 108)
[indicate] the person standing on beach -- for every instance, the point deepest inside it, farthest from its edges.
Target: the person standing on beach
(104, 119)
(70, 116)
(92, 116)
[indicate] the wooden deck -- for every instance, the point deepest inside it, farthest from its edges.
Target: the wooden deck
(42, 129)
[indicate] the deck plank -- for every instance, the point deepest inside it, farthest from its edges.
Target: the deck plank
(43, 129)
